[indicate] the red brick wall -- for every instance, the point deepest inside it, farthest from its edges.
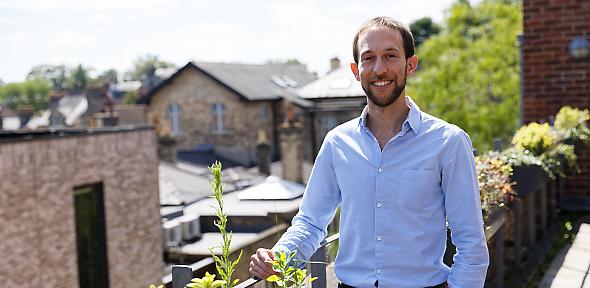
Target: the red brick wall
(551, 77)
(37, 217)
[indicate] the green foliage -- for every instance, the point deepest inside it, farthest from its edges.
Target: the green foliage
(108, 76)
(208, 281)
(78, 79)
(145, 67)
(534, 137)
(423, 29)
(289, 276)
(130, 97)
(225, 266)
(493, 177)
(571, 123)
(515, 157)
(34, 93)
(470, 72)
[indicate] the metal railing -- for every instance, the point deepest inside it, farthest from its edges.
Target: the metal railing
(182, 274)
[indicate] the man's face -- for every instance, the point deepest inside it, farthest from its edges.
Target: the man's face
(383, 67)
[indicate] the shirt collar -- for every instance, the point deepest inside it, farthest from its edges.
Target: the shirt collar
(413, 120)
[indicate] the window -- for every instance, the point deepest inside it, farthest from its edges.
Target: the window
(264, 113)
(91, 236)
(218, 110)
(174, 117)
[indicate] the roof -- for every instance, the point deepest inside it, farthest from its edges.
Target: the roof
(182, 183)
(272, 188)
(6, 112)
(336, 84)
(250, 82)
(72, 107)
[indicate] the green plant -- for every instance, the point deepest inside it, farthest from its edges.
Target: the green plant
(289, 276)
(561, 159)
(225, 266)
(516, 158)
(572, 123)
(535, 137)
(493, 177)
(208, 281)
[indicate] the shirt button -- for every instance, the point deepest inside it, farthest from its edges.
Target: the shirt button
(378, 204)
(380, 170)
(378, 271)
(378, 237)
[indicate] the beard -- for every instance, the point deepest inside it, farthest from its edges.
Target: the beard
(384, 102)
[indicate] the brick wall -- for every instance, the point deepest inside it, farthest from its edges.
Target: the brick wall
(37, 215)
(551, 77)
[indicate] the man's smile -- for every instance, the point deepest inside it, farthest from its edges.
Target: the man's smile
(381, 83)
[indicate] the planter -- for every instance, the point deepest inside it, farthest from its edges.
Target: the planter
(527, 179)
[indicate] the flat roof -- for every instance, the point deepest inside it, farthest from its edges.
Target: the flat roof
(8, 136)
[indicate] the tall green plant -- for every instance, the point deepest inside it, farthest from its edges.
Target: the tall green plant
(225, 266)
(289, 275)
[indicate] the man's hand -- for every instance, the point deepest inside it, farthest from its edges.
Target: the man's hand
(261, 263)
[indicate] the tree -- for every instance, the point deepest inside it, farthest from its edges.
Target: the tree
(56, 75)
(423, 29)
(78, 79)
(145, 67)
(470, 71)
(108, 76)
(34, 93)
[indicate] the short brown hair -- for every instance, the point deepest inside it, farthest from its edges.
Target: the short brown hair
(390, 23)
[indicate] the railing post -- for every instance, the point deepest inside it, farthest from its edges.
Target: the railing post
(181, 275)
(499, 257)
(531, 220)
(319, 269)
(518, 232)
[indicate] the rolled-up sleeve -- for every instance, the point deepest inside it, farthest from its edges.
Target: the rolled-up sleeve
(463, 211)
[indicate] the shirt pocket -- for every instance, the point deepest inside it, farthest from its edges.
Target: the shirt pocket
(419, 189)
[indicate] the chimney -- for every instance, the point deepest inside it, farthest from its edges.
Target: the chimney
(167, 149)
(291, 142)
(25, 113)
(334, 64)
(263, 152)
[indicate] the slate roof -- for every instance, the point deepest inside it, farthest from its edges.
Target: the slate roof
(336, 84)
(249, 81)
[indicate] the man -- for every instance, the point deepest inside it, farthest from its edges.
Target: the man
(397, 174)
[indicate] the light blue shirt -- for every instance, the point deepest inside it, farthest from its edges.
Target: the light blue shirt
(393, 205)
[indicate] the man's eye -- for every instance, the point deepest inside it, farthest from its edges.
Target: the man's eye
(367, 58)
(391, 56)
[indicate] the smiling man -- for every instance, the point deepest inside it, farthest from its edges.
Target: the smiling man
(398, 175)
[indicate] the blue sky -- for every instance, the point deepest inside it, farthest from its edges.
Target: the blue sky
(113, 33)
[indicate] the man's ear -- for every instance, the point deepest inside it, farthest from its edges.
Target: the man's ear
(412, 64)
(355, 70)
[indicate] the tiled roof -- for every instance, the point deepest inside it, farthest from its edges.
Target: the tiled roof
(250, 82)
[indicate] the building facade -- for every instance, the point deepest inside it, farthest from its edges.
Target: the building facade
(552, 77)
(80, 208)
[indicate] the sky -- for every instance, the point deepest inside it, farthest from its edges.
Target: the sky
(114, 33)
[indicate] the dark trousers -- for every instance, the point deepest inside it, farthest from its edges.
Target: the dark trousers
(342, 285)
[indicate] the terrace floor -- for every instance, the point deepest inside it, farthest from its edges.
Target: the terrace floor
(571, 266)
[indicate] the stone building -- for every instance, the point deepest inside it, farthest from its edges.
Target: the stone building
(225, 106)
(337, 97)
(556, 71)
(79, 208)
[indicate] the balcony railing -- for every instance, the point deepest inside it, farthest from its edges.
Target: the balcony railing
(182, 274)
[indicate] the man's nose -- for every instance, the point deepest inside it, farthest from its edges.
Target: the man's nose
(379, 67)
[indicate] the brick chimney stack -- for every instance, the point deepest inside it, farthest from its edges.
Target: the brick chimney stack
(291, 142)
(334, 64)
(263, 152)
